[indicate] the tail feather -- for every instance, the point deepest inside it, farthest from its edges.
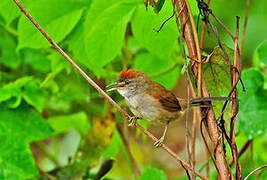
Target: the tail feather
(206, 101)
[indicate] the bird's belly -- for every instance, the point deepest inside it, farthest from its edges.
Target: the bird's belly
(148, 109)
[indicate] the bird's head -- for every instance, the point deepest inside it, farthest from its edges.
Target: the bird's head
(129, 82)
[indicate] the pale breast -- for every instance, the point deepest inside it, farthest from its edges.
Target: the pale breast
(150, 109)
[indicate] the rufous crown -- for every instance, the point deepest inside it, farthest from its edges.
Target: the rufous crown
(130, 73)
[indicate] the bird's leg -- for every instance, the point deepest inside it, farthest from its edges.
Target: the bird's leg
(160, 141)
(133, 121)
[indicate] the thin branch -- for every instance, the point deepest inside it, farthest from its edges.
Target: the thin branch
(213, 129)
(235, 105)
(206, 145)
(124, 113)
(244, 27)
(196, 115)
(255, 170)
(226, 104)
(194, 30)
(233, 38)
(225, 28)
(242, 150)
(222, 47)
(173, 154)
(199, 76)
(164, 23)
(190, 154)
(208, 164)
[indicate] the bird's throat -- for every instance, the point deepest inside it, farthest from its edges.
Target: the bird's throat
(124, 93)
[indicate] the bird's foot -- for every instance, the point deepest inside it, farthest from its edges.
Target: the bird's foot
(159, 142)
(133, 121)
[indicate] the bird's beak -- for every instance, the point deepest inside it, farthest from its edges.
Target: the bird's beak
(112, 84)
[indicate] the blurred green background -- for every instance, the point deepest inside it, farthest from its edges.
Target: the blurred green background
(53, 124)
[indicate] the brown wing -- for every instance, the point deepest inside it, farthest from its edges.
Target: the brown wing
(167, 99)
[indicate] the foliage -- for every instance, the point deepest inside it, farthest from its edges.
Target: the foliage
(19, 127)
(152, 173)
(43, 97)
(253, 104)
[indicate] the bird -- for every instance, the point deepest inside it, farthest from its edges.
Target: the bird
(150, 100)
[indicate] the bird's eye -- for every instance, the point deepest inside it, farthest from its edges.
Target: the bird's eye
(127, 81)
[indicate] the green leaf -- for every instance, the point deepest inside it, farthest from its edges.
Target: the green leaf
(64, 123)
(13, 89)
(77, 45)
(253, 104)
(18, 127)
(253, 80)
(36, 58)
(9, 11)
(25, 87)
(164, 71)
(194, 7)
(57, 17)
(153, 173)
(34, 96)
(59, 63)
(8, 55)
(159, 5)
(260, 56)
(144, 23)
(104, 33)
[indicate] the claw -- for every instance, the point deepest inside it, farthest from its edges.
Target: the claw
(159, 143)
(133, 121)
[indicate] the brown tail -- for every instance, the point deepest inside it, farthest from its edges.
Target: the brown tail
(206, 101)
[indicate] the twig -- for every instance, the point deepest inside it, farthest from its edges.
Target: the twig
(233, 38)
(235, 105)
(226, 104)
(255, 170)
(125, 140)
(244, 27)
(187, 173)
(196, 115)
(242, 150)
(222, 47)
(136, 169)
(224, 171)
(204, 165)
(199, 76)
(190, 154)
(124, 113)
(164, 23)
(206, 145)
(173, 154)
(226, 29)
(208, 164)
